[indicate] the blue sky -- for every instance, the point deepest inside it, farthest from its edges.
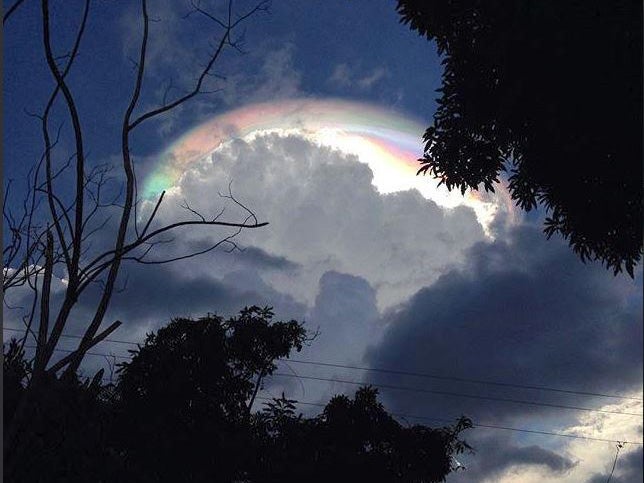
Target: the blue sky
(362, 39)
(391, 279)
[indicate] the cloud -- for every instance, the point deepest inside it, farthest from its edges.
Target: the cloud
(369, 80)
(347, 251)
(266, 73)
(533, 455)
(344, 75)
(341, 75)
(153, 296)
(257, 257)
(250, 256)
(344, 317)
(520, 310)
(330, 231)
(324, 214)
(628, 469)
(157, 294)
(527, 311)
(345, 311)
(498, 455)
(418, 283)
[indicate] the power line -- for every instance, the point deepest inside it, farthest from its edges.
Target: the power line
(479, 425)
(487, 426)
(69, 351)
(409, 373)
(411, 389)
(402, 373)
(72, 336)
(456, 394)
(462, 379)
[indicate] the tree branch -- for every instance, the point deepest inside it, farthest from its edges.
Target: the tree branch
(83, 349)
(78, 136)
(43, 325)
(11, 10)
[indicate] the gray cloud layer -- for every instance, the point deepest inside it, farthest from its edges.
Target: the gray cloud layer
(628, 469)
(521, 310)
(496, 454)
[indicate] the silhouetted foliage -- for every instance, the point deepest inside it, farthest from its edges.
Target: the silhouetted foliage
(181, 410)
(187, 394)
(15, 371)
(64, 437)
(551, 92)
(352, 440)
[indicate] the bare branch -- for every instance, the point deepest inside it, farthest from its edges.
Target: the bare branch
(178, 224)
(11, 10)
(84, 348)
(76, 124)
(263, 6)
(154, 213)
(197, 9)
(96, 266)
(228, 26)
(142, 260)
(186, 97)
(64, 213)
(127, 207)
(43, 325)
(237, 202)
(186, 206)
(73, 222)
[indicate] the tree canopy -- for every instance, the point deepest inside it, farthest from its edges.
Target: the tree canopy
(188, 392)
(353, 439)
(182, 409)
(549, 93)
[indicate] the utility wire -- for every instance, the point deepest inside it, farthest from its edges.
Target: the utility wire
(69, 351)
(618, 447)
(427, 418)
(402, 373)
(406, 388)
(488, 426)
(462, 379)
(456, 394)
(72, 336)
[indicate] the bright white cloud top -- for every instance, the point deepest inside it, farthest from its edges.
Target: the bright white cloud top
(388, 142)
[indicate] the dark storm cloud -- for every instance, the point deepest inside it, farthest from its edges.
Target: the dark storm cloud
(246, 256)
(163, 292)
(147, 298)
(344, 317)
(628, 469)
(522, 310)
(345, 312)
(256, 257)
(533, 455)
(496, 455)
(156, 295)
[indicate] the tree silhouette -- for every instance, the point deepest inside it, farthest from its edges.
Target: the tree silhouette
(66, 440)
(551, 93)
(188, 394)
(188, 391)
(182, 410)
(60, 226)
(353, 440)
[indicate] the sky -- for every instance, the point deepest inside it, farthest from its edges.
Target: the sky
(314, 123)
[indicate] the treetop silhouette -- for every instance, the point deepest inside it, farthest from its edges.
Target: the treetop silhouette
(549, 94)
(182, 409)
